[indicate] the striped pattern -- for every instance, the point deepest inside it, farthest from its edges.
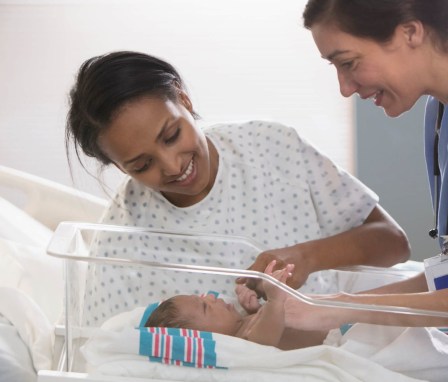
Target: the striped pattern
(182, 347)
(173, 346)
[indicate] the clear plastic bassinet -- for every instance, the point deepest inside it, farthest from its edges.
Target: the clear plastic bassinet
(113, 269)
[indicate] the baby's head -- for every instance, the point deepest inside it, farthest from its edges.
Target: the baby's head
(206, 313)
(168, 315)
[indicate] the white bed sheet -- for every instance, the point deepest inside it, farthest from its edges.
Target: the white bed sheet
(16, 225)
(15, 360)
(33, 327)
(30, 270)
(31, 295)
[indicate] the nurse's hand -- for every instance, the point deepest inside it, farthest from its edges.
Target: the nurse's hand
(284, 256)
(302, 316)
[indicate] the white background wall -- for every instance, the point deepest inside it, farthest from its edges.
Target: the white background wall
(241, 59)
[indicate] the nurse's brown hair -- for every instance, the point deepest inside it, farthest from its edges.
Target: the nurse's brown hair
(378, 19)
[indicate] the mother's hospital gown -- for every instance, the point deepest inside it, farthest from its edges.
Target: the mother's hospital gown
(271, 186)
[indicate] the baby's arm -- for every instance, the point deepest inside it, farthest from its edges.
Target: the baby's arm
(269, 322)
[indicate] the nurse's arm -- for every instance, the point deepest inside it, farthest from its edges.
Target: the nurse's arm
(304, 316)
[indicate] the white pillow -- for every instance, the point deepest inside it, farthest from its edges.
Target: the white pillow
(33, 327)
(29, 269)
(15, 358)
(17, 225)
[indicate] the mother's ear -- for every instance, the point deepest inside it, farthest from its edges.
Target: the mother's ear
(185, 100)
(119, 167)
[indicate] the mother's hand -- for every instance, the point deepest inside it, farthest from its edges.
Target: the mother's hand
(284, 256)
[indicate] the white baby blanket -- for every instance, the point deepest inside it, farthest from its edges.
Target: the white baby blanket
(417, 352)
(359, 355)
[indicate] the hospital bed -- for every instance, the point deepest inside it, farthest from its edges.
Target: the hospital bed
(48, 311)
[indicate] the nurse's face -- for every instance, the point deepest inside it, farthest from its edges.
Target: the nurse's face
(157, 142)
(386, 73)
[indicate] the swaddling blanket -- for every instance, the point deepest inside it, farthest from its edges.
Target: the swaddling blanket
(417, 352)
(116, 349)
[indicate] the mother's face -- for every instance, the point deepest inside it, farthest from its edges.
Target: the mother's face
(156, 141)
(386, 73)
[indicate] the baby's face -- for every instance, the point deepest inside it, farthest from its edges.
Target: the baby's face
(209, 313)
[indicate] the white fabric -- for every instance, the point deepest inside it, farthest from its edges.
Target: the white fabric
(271, 186)
(24, 263)
(417, 352)
(16, 225)
(113, 350)
(15, 359)
(364, 278)
(30, 322)
(29, 269)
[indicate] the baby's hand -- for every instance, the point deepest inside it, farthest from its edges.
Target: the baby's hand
(272, 291)
(247, 298)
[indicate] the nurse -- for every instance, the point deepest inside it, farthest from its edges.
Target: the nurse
(257, 179)
(392, 53)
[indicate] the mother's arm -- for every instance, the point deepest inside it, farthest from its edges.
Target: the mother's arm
(379, 241)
